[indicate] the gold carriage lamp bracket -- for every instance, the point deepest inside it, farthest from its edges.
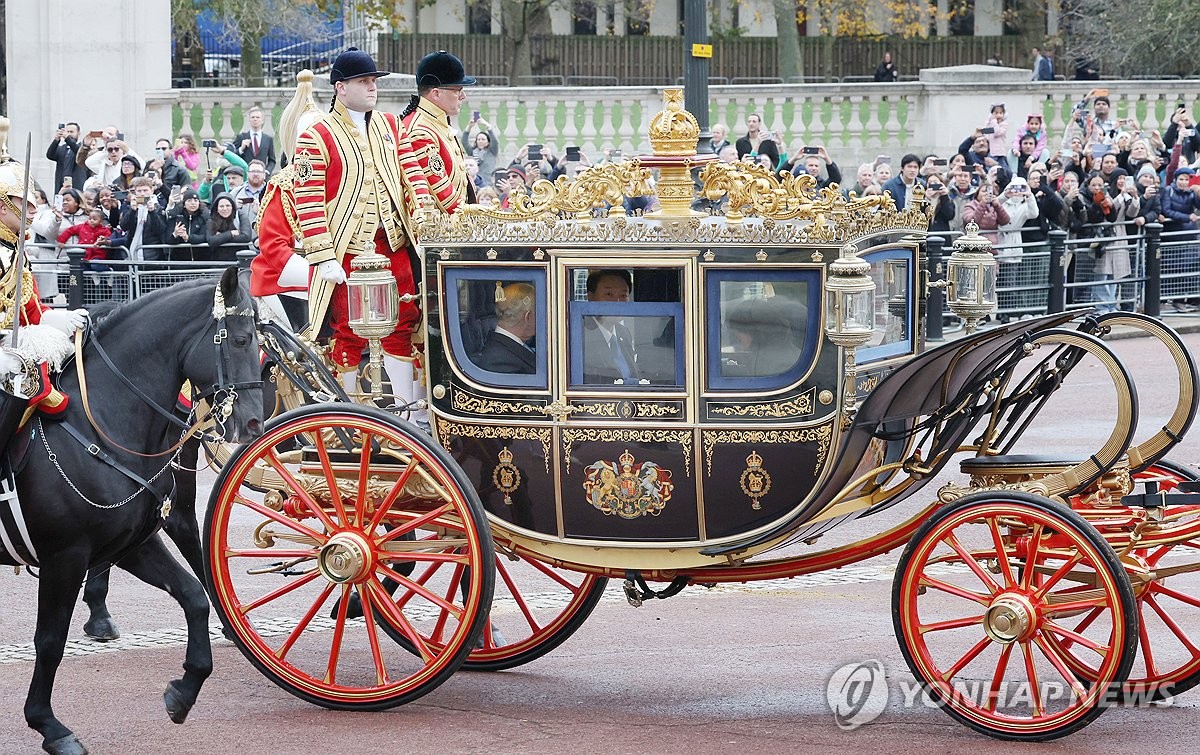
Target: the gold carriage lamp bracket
(970, 278)
(849, 312)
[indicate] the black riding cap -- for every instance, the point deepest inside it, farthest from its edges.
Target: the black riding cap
(442, 69)
(353, 64)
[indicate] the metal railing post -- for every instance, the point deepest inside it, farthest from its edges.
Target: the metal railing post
(1057, 299)
(243, 259)
(75, 280)
(935, 301)
(1153, 298)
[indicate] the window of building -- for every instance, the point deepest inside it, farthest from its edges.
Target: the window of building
(479, 17)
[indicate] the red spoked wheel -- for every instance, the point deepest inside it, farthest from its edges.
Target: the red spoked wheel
(302, 519)
(975, 625)
(535, 608)
(1166, 581)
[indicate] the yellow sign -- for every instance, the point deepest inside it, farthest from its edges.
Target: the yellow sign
(701, 51)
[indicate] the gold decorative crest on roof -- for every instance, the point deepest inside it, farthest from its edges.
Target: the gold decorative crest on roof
(673, 130)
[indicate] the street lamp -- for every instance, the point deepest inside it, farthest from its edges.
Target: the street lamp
(373, 305)
(971, 277)
(849, 311)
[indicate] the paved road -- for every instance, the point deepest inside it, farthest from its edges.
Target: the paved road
(730, 669)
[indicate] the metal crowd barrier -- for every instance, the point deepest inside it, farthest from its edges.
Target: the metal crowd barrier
(1062, 274)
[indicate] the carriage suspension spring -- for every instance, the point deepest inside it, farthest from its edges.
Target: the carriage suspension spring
(637, 591)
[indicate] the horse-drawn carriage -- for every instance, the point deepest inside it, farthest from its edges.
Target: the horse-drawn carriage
(687, 398)
(772, 382)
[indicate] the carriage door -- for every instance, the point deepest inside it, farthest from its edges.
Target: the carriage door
(621, 411)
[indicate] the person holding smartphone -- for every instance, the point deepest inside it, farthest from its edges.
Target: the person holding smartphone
(63, 150)
(996, 130)
(1182, 131)
(483, 143)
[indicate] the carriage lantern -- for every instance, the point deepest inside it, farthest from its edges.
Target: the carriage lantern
(849, 300)
(374, 308)
(971, 276)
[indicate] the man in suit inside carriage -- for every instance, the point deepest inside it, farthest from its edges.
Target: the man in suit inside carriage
(608, 355)
(506, 348)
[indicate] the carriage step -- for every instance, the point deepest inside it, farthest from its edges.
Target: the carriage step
(1032, 464)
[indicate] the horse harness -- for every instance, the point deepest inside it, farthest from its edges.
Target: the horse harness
(221, 395)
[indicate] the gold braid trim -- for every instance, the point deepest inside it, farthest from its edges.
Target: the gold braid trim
(282, 184)
(8, 289)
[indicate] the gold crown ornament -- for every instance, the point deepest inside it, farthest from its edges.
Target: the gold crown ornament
(673, 130)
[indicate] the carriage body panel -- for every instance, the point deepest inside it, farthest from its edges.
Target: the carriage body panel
(720, 440)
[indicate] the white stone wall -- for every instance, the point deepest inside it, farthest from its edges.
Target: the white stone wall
(87, 61)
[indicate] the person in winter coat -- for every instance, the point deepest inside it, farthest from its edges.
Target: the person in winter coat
(225, 237)
(1115, 264)
(93, 236)
(1098, 226)
(987, 211)
(1021, 206)
(188, 227)
(1179, 215)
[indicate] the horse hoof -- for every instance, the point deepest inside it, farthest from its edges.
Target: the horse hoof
(353, 608)
(101, 630)
(176, 703)
(68, 745)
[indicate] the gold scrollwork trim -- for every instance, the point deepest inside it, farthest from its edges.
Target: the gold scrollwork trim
(820, 435)
(446, 429)
(466, 402)
(797, 406)
(598, 409)
(571, 436)
(656, 410)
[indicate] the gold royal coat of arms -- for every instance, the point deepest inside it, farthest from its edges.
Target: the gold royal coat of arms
(627, 489)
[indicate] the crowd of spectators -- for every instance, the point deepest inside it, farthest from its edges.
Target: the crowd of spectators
(181, 202)
(1101, 180)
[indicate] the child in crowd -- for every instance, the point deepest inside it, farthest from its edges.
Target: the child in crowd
(92, 234)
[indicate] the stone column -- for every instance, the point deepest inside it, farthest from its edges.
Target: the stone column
(50, 80)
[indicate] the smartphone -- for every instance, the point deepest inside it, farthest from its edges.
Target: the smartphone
(940, 162)
(1099, 150)
(247, 200)
(572, 154)
(68, 182)
(121, 135)
(1066, 153)
(475, 115)
(614, 154)
(58, 202)
(1187, 133)
(62, 125)
(989, 130)
(811, 150)
(121, 196)
(210, 143)
(884, 159)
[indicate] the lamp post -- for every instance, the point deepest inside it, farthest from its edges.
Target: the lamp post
(849, 311)
(695, 70)
(373, 305)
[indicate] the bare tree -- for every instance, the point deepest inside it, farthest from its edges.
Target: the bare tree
(1152, 37)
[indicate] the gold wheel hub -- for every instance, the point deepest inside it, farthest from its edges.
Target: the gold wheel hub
(345, 558)
(1009, 618)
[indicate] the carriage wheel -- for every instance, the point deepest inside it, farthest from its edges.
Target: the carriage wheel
(536, 607)
(976, 628)
(284, 555)
(1168, 660)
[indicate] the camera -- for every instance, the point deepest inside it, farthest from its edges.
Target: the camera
(210, 143)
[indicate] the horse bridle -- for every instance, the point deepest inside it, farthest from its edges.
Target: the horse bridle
(221, 396)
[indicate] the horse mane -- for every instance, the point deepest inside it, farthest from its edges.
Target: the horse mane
(107, 315)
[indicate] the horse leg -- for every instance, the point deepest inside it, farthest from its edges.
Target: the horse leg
(181, 526)
(100, 625)
(153, 564)
(58, 589)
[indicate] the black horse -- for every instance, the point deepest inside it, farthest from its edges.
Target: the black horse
(92, 487)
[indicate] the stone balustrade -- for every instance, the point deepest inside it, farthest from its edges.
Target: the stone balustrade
(855, 122)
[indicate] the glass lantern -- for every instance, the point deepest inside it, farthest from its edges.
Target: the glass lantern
(971, 273)
(849, 300)
(373, 308)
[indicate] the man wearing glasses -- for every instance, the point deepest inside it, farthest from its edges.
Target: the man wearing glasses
(430, 134)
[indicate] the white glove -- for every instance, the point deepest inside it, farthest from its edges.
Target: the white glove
(66, 320)
(331, 271)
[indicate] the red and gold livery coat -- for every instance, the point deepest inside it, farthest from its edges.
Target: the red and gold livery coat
(278, 233)
(48, 398)
(439, 153)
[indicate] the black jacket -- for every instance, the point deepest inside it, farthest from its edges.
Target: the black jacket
(62, 154)
(266, 150)
(765, 147)
(503, 354)
(154, 231)
(195, 246)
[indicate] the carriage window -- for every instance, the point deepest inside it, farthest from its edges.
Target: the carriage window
(626, 328)
(496, 322)
(892, 270)
(761, 334)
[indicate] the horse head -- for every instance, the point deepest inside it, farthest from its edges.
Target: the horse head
(228, 375)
